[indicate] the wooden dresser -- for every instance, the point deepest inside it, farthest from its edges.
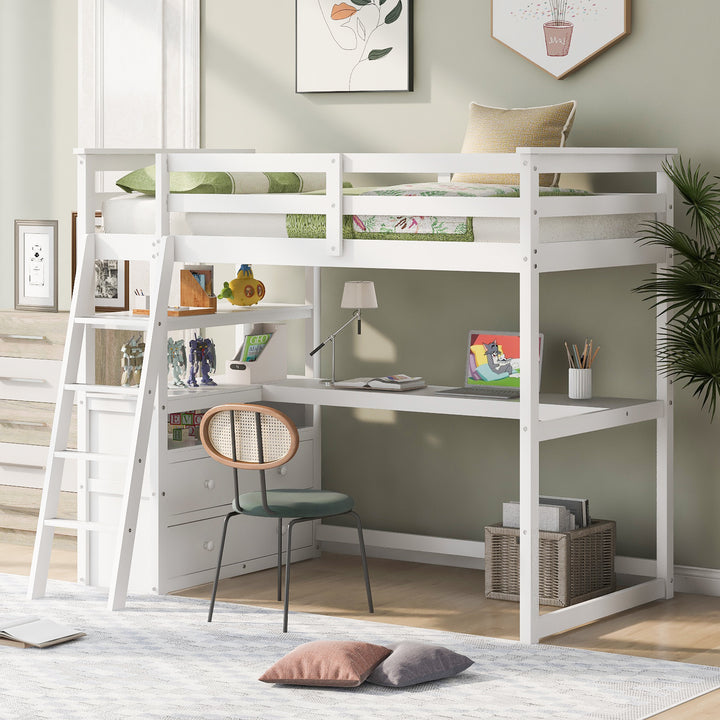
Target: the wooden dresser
(31, 348)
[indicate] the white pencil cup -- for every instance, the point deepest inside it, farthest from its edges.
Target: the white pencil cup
(579, 383)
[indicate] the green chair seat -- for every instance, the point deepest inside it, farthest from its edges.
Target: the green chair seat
(296, 503)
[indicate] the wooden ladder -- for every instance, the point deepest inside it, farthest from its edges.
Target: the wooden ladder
(82, 322)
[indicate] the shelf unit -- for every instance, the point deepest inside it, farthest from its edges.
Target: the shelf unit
(540, 418)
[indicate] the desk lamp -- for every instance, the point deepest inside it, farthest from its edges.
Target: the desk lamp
(358, 294)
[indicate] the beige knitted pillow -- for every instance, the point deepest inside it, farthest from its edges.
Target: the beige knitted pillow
(500, 130)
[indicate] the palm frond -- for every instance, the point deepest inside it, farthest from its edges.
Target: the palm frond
(687, 292)
(684, 291)
(701, 196)
(689, 353)
(660, 233)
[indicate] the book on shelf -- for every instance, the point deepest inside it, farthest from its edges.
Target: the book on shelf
(35, 632)
(579, 507)
(388, 382)
(551, 518)
(252, 346)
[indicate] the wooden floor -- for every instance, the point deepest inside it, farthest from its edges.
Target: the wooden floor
(684, 629)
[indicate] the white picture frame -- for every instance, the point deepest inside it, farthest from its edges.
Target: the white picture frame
(559, 36)
(353, 46)
(36, 250)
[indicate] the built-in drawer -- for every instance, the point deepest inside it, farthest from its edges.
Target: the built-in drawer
(24, 466)
(193, 547)
(29, 379)
(30, 423)
(32, 334)
(205, 483)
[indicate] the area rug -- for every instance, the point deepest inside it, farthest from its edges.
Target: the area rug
(159, 658)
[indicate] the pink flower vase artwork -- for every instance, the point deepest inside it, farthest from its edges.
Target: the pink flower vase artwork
(558, 32)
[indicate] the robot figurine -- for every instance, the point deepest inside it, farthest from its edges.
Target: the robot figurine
(202, 357)
(132, 360)
(177, 361)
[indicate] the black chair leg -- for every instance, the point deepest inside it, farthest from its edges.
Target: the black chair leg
(287, 573)
(279, 560)
(363, 557)
(219, 564)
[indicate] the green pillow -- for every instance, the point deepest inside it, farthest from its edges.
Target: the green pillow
(143, 181)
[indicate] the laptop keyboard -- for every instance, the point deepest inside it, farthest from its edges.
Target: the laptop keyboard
(483, 391)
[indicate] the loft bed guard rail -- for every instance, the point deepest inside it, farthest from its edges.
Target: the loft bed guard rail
(335, 250)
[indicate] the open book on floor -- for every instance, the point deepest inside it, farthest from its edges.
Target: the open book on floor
(389, 382)
(35, 632)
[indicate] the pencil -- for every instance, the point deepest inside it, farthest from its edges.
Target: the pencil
(567, 350)
(592, 359)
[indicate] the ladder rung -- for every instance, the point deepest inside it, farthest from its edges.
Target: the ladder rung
(115, 321)
(100, 390)
(91, 456)
(79, 525)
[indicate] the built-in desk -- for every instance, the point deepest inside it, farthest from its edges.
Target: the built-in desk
(559, 416)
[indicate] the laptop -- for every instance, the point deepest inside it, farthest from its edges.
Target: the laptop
(492, 366)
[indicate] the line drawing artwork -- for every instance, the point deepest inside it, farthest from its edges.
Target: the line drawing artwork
(353, 45)
(362, 21)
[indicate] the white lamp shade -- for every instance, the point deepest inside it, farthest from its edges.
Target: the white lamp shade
(359, 294)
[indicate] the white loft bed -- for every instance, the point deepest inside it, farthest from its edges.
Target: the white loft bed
(532, 252)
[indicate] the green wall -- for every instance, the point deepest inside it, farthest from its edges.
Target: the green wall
(445, 475)
(38, 127)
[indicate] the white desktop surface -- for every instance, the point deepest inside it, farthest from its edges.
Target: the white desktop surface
(553, 407)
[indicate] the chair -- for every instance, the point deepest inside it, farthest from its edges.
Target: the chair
(256, 437)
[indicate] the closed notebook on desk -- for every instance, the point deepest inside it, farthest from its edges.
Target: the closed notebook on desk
(492, 365)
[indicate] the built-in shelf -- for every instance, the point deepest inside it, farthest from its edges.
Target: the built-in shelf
(267, 312)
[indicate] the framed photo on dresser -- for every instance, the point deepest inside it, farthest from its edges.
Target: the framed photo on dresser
(36, 251)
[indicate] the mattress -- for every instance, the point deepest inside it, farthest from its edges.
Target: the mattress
(135, 213)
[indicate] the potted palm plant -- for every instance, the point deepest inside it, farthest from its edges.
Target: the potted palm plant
(688, 292)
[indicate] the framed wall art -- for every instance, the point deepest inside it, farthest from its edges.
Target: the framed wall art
(112, 278)
(36, 251)
(560, 36)
(353, 46)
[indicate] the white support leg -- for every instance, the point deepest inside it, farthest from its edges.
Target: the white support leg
(529, 406)
(664, 434)
(334, 195)
(154, 363)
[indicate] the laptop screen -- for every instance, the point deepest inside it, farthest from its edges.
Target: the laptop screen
(493, 358)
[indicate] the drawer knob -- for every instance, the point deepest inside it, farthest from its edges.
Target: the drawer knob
(209, 484)
(208, 545)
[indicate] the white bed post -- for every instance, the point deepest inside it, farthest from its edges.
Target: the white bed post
(83, 299)
(334, 198)
(529, 402)
(664, 432)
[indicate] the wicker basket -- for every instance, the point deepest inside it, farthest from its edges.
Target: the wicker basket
(574, 566)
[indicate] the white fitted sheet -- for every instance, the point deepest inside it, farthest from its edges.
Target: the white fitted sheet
(136, 214)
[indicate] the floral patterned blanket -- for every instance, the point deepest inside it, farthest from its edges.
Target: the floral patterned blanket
(424, 227)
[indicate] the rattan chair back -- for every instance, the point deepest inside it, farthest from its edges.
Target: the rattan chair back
(278, 434)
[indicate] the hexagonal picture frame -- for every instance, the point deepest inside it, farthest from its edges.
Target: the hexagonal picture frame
(559, 36)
